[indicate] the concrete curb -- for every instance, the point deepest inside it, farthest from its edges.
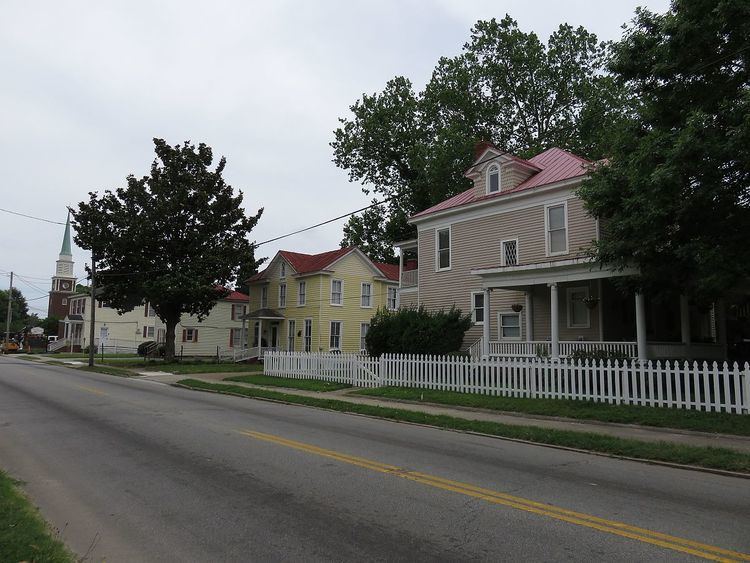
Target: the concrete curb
(672, 465)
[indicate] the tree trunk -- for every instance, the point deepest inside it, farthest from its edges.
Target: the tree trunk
(169, 339)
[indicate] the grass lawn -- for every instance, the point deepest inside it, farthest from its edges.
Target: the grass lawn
(586, 410)
(78, 355)
(715, 458)
(183, 367)
(24, 535)
(306, 384)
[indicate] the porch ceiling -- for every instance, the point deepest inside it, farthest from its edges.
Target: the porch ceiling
(560, 271)
(264, 314)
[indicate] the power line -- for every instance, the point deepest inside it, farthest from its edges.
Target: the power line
(31, 217)
(376, 204)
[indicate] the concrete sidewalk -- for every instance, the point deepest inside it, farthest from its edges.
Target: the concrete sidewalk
(644, 433)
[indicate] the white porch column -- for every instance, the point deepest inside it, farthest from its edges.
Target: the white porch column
(554, 321)
(640, 325)
(529, 317)
(486, 325)
(400, 265)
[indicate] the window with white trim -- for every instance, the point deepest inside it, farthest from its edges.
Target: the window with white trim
(509, 325)
(557, 229)
(335, 340)
(392, 298)
(579, 315)
(291, 329)
(302, 293)
(282, 270)
(148, 332)
(282, 295)
(443, 248)
(366, 295)
(336, 292)
(509, 255)
(493, 179)
(264, 297)
(477, 307)
(189, 335)
(150, 310)
(238, 311)
(239, 336)
(308, 335)
(363, 329)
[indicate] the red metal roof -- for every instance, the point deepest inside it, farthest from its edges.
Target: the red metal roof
(390, 271)
(554, 165)
(232, 295)
(306, 263)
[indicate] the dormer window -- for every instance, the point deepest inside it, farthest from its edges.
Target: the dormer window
(493, 179)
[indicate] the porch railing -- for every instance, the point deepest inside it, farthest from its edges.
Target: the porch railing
(409, 278)
(530, 349)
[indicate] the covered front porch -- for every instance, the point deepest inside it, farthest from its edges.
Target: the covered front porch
(557, 309)
(265, 332)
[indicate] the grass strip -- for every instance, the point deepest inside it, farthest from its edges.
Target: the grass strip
(305, 384)
(659, 417)
(712, 458)
(108, 370)
(24, 535)
(185, 367)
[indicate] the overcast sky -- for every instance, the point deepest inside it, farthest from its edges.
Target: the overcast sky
(85, 86)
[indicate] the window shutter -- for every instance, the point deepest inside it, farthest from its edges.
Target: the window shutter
(195, 335)
(184, 335)
(231, 338)
(144, 332)
(145, 310)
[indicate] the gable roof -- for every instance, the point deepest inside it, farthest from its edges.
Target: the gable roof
(554, 165)
(390, 271)
(306, 263)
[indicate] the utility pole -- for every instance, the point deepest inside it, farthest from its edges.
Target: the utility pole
(93, 310)
(8, 316)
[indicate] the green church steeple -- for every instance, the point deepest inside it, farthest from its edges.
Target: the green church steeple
(65, 250)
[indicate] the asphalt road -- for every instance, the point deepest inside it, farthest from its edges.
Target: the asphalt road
(131, 470)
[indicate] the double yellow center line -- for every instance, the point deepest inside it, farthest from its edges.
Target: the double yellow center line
(691, 547)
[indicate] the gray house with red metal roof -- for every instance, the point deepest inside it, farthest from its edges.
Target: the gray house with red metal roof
(514, 251)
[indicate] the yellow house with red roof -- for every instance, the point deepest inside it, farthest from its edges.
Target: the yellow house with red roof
(318, 302)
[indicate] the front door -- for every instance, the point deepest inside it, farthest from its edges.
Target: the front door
(275, 336)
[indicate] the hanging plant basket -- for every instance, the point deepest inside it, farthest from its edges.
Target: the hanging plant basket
(517, 307)
(591, 302)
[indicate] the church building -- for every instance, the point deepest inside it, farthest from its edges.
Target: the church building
(63, 282)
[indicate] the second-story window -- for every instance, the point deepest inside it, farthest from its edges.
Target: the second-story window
(336, 297)
(366, 295)
(444, 249)
(510, 253)
(557, 229)
(302, 293)
(493, 179)
(282, 270)
(264, 297)
(282, 295)
(237, 312)
(392, 298)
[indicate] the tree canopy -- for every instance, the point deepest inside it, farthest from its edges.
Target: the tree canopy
(170, 238)
(674, 198)
(506, 86)
(19, 310)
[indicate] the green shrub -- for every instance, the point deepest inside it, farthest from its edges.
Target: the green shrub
(598, 355)
(416, 331)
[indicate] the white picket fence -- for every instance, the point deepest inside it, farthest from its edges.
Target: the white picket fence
(352, 369)
(684, 385)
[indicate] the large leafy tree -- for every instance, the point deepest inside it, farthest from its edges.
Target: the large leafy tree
(169, 238)
(18, 307)
(674, 199)
(506, 86)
